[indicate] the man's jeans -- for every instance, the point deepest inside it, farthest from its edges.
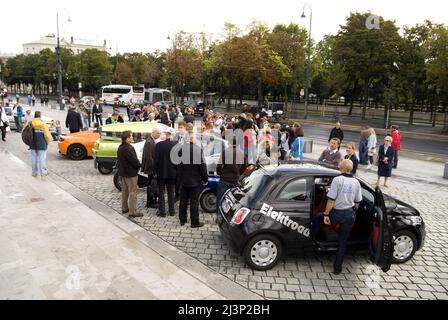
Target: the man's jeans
(346, 218)
(38, 165)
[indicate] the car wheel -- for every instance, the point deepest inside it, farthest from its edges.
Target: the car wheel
(104, 170)
(405, 245)
(117, 181)
(263, 252)
(77, 152)
(207, 201)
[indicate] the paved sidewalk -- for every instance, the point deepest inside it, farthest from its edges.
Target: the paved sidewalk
(54, 246)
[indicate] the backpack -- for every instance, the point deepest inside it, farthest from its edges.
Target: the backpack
(28, 134)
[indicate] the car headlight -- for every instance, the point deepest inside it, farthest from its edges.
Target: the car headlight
(413, 220)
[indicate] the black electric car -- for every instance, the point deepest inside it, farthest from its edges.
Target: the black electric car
(271, 210)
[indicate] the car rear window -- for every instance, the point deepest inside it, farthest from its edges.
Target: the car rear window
(253, 182)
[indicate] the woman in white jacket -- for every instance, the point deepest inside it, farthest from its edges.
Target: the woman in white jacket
(371, 147)
(4, 123)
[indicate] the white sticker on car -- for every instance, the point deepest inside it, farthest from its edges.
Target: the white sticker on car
(280, 217)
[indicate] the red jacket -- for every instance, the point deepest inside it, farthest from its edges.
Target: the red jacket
(396, 140)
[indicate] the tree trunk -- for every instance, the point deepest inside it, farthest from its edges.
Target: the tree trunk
(260, 92)
(366, 98)
(411, 113)
(350, 111)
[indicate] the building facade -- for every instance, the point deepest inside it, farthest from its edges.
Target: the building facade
(50, 42)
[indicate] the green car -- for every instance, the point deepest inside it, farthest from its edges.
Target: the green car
(105, 149)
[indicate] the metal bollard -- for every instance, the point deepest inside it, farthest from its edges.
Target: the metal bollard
(308, 147)
(445, 173)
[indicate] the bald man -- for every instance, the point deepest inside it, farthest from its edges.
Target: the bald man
(343, 200)
(148, 166)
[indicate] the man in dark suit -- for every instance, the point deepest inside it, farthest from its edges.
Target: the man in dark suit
(73, 120)
(193, 174)
(166, 173)
(148, 165)
(337, 132)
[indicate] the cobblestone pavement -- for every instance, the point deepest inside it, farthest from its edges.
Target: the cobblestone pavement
(304, 276)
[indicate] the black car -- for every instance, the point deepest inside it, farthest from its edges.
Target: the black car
(270, 211)
(199, 109)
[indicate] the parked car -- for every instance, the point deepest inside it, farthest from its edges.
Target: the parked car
(269, 214)
(207, 198)
(12, 123)
(87, 99)
(105, 148)
(79, 145)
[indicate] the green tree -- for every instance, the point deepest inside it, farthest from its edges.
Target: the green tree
(95, 69)
(183, 62)
(124, 74)
(289, 43)
(412, 65)
(367, 54)
(437, 67)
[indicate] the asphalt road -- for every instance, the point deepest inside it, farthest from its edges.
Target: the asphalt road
(408, 144)
(437, 148)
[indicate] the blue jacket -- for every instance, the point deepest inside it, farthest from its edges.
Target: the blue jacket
(19, 111)
(42, 136)
(297, 148)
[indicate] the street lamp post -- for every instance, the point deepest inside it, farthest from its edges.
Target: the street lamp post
(59, 62)
(308, 61)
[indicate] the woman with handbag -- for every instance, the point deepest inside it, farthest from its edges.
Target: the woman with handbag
(371, 147)
(385, 160)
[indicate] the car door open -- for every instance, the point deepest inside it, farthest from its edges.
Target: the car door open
(381, 241)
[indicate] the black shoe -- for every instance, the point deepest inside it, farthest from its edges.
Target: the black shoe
(161, 215)
(182, 223)
(125, 211)
(136, 215)
(200, 224)
(337, 272)
(173, 214)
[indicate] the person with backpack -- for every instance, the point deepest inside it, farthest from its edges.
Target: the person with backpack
(41, 139)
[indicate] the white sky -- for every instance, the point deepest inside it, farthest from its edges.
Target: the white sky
(143, 25)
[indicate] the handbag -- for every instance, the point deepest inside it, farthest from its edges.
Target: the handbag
(371, 152)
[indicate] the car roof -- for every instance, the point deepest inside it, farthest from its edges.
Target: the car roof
(136, 127)
(299, 168)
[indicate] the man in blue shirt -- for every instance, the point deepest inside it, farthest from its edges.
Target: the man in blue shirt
(343, 198)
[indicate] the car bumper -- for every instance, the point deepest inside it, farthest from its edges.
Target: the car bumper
(62, 149)
(422, 232)
(233, 235)
(105, 162)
